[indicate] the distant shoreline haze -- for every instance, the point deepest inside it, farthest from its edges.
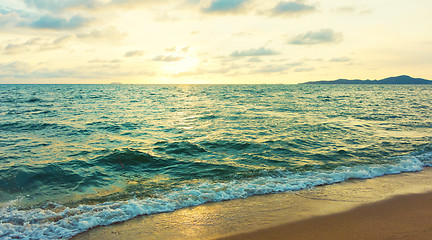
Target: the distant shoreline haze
(403, 79)
(398, 80)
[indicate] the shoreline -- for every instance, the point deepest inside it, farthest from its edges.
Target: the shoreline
(268, 216)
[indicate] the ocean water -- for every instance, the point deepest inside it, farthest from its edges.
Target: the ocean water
(73, 157)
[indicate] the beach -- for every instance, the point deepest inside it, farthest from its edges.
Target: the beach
(401, 217)
(388, 207)
(203, 161)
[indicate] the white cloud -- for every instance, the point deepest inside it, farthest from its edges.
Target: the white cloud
(134, 53)
(59, 23)
(304, 69)
(167, 58)
(254, 59)
(272, 69)
(39, 20)
(9, 18)
(318, 37)
(36, 44)
(340, 59)
(14, 70)
(354, 10)
(108, 33)
(225, 6)
(105, 61)
(26, 73)
(254, 52)
(183, 49)
(292, 8)
(61, 5)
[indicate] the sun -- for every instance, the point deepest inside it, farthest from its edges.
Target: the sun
(184, 64)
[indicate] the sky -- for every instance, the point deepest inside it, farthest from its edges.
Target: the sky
(213, 41)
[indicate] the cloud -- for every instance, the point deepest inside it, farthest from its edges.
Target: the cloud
(16, 48)
(318, 37)
(279, 66)
(58, 23)
(346, 9)
(167, 58)
(340, 59)
(133, 3)
(13, 70)
(97, 60)
(254, 52)
(254, 59)
(10, 19)
(184, 49)
(22, 18)
(295, 64)
(37, 44)
(354, 10)
(242, 34)
(304, 69)
(135, 53)
(23, 72)
(224, 6)
(109, 33)
(293, 8)
(272, 69)
(58, 5)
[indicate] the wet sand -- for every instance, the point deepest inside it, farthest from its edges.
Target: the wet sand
(389, 207)
(402, 217)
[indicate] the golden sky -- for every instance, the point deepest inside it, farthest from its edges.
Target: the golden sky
(213, 41)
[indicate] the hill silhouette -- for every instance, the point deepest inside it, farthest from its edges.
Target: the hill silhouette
(403, 79)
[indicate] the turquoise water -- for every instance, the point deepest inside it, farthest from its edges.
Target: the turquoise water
(77, 156)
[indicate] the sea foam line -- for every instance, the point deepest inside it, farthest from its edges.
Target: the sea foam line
(63, 222)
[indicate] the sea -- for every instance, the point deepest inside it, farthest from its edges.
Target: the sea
(73, 157)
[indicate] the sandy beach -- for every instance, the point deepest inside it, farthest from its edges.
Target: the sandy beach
(389, 207)
(401, 217)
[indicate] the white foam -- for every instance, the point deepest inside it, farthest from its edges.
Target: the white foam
(63, 222)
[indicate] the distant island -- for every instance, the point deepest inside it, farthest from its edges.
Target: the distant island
(115, 83)
(403, 79)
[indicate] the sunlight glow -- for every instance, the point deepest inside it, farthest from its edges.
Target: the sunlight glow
(186, 64)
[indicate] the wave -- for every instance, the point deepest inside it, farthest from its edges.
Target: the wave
(226, 145)
(54, 221)
(113, 127)
(34, 99)
(51, 179)
(29, 111)
(105, 168)
(23, 126)
(22, 99)
(132, 163)
(179, 148)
